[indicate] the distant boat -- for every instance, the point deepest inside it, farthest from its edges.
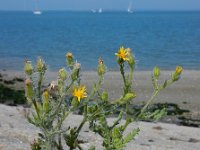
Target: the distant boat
(37, 11)
(129, 10)
(100, 10)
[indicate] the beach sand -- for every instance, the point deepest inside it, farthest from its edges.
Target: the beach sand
(185, 92)
(16, 132)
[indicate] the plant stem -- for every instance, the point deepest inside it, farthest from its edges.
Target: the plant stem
(155, 93)
(124, 79)
(39, 86)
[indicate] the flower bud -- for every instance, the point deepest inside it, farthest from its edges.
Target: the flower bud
(62, 74)
(101, 67)
(77, 65)
(28, 69)
(75, 72)
(29, 89)
(45, 100)
(104, 96)
(156, 72)
(131, 59)
(52, 86)
(40, 65)
(177, 73)
(70, 59)
(179, 70)
(129, 96)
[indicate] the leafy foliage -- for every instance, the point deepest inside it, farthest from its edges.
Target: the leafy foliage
(53, 105)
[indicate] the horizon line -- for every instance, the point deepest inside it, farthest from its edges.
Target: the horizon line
(106, 10)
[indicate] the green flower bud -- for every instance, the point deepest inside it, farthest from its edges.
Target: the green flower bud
(40, 65)
(101, 67)
(131, 59)
(62, 74)
(104, 96)
(75, 72)
(29, 89)
(45, 100)
(156, 72)
(69, 59)
(128, 97)
(28, 69)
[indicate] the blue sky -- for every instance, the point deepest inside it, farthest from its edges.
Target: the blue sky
(105, 4)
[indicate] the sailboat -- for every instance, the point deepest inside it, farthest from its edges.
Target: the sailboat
(130, 8)
(37, 11)
(100, 10)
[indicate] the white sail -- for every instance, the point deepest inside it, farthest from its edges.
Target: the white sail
(37, 11)
(100, 10)
(130, 8)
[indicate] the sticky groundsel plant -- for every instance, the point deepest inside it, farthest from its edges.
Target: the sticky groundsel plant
(52, 105)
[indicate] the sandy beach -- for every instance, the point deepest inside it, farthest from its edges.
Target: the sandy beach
(16, 132)
(185, 92)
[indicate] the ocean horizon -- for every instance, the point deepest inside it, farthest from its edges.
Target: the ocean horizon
(157, 38)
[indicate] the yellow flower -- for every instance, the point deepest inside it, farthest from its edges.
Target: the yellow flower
(80, 92)
(179, 69)
(122, 54)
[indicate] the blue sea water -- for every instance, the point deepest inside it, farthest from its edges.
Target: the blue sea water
(165, 39)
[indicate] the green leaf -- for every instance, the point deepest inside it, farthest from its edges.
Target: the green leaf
(131, 136)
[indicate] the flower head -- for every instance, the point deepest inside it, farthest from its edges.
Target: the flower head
(77, 65)
(122, 54)
(40, 65)
(101, 67)
(28, 67)
(69, 59)
(79, 92)
(62, 74)
(53, 85)
(179, 69)
(69, 55)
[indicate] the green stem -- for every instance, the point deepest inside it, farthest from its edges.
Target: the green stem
(39, 86)
(124, 79)
(155, 93)
(131, 76)
(84, 119)
(95, 88)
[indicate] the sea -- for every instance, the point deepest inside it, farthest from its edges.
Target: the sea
(164, 39)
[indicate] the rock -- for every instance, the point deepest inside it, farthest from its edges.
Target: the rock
(17, 133)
